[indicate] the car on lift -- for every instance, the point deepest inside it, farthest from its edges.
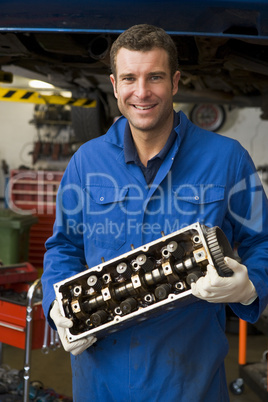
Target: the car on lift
(222, 48)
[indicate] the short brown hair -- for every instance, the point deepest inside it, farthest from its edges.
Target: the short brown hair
(143, 38)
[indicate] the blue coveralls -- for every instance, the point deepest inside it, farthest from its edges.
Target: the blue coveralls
(104, 205)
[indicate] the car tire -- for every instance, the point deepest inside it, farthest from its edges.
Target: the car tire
(208, 116)
(89, 123)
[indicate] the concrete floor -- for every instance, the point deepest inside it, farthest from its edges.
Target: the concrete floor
(256, 346)
(53, 369)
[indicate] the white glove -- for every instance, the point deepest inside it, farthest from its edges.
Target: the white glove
(237, 288)
(62, 323)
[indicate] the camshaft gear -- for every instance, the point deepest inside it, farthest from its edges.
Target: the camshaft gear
(219, 248)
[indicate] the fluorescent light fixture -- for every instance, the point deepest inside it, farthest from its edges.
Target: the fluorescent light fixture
(40, 84)
(66, 94)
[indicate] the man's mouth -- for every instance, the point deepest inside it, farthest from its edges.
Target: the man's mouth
(143, 107)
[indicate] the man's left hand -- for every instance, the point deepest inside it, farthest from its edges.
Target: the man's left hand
(237, 288)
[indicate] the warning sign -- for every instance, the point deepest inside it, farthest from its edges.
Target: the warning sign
(26, 96)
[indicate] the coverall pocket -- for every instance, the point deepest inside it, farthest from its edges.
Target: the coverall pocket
(106, 213)
(200, 202)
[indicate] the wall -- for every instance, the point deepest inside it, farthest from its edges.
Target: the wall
(246, 126)
(16, 135)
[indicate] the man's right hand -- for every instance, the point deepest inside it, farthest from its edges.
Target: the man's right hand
(62, 323)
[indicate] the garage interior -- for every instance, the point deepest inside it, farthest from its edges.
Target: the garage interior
(38, 139)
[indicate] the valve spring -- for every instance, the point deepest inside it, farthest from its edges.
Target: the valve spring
(177, 250)
(99, 318)
(94, 282)
(124, 269)
(128, 305)
(162, 291)
(147, 263)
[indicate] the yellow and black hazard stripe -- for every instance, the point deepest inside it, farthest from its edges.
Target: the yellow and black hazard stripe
(25, 96)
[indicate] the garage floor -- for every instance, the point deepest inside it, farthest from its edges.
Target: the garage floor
(53, 369)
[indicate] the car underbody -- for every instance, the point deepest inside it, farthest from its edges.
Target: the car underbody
(222, 70)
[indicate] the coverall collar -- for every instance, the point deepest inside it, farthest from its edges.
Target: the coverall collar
(130, 151)
(115, 134)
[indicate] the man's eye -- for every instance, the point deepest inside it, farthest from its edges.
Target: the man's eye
(128, 79)
(155, 77)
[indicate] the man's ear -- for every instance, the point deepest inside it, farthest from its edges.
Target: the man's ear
(175, 82)
(112, 78)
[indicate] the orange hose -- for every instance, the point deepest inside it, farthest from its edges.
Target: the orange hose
(242, 352)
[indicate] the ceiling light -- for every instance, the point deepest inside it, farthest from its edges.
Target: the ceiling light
(66, 94)
(40, 84)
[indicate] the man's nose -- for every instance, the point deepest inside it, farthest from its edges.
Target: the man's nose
(142, 89)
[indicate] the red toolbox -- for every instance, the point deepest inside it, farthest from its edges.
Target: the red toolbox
(14, 285)
(13, 324)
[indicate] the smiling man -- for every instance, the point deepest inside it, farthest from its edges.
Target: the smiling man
(144, 87)
(151, 169)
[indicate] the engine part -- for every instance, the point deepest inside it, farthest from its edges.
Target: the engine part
(141, 283)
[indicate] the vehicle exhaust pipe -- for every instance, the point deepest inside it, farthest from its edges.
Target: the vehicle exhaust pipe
(99, 48)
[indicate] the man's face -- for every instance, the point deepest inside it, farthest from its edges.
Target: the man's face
(144, 89)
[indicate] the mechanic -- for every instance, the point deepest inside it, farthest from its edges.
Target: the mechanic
(155, 171)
